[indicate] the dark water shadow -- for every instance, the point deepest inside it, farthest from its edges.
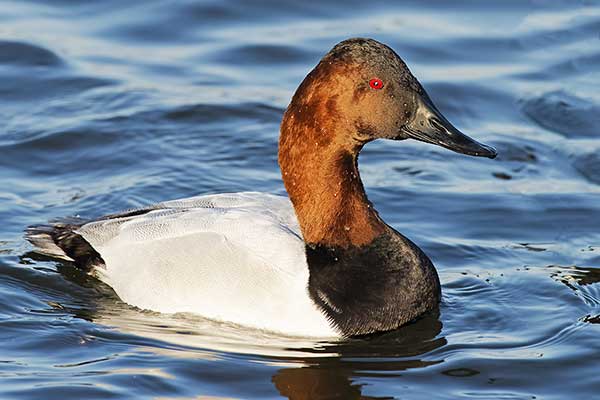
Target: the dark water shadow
(385, 354)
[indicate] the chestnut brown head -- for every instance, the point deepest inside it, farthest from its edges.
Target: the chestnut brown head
(362, 90)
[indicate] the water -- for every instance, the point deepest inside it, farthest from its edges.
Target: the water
(110, 105)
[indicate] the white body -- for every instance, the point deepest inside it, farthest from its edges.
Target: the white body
(236, 257)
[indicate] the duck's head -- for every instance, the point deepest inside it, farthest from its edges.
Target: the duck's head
(361, 91)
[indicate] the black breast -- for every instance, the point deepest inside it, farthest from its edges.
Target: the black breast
(372, 288)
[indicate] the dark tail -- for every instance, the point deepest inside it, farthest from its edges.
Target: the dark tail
(60, 240)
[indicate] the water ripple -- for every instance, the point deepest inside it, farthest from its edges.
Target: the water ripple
(26, 54)
(564, 113)
(107, 106)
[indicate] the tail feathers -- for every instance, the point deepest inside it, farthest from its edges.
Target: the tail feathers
(60, 240)
(41, 237)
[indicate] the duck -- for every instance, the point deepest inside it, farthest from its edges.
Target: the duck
(318, 263)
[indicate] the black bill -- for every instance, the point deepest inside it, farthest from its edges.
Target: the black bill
(430, 126)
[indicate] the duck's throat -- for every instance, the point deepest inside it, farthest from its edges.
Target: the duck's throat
(329, 197)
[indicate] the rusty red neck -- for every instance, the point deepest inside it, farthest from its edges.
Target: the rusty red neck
(318, 161)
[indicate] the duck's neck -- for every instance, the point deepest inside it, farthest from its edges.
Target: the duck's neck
(323, 182)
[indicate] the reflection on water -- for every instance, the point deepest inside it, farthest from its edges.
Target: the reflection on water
(111, 105)
(303, 368)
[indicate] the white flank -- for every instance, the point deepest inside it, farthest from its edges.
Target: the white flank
(233, 257)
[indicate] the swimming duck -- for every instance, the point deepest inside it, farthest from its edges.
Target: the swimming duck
(319, 263)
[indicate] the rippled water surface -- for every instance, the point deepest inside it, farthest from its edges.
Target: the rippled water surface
(111, 105)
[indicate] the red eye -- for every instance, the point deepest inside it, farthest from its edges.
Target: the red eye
(376, 83)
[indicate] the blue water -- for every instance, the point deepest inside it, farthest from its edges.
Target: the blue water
(111, 105)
